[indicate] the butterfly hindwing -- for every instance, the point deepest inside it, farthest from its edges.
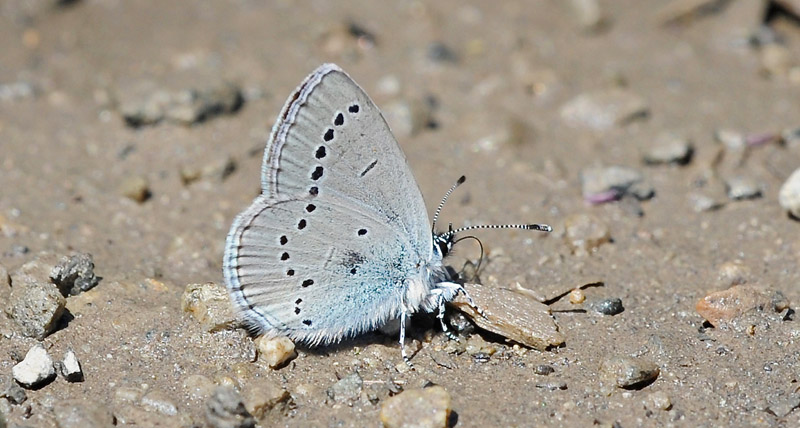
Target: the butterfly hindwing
(311, 269)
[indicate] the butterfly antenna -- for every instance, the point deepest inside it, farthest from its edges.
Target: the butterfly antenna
(459, 182)
(539, 227)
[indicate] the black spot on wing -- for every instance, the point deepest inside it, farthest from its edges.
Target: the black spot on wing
(369, 167)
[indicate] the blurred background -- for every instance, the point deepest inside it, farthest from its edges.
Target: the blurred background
(658, 137)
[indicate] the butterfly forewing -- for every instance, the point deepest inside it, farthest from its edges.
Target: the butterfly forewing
(332, 138)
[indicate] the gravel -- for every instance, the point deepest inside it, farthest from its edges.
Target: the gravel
(629, 372)
(74, 274)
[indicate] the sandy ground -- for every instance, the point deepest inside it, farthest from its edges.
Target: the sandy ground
(493, 78)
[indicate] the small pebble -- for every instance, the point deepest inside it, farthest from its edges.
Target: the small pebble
(721, 308)
(629, 372)
(543, 369)
(420, 408)
(512, 315)
(219, 169)
(81, 414)
(11, 391)
(703, 203)
(225, 409)
(147, 104)
(604, 109)
(733, 273)
(198, 387)
(5, 284)
(158, 401)
(740, 188)
(605, 184)
(135, 188)
(489, 132)
(14, 91)
(789, 195)
(74, 274)
(669, 148)
(732, 140)
(127, 394)
(209, 304)
(556, 385)
(276, 351)
(785, 405)
(36, 369)
(777, 60)
(589, 15)
(408, 118)
(577, 296)
(347, 388)
(440, 52)
(585, 233)
(791, 137)
(476, 345)
(71, 367)
(612, 306)
(263, 397)
(658, 400)
(36, 308)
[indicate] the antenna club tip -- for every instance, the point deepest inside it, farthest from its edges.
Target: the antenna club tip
(540, 227)
(462, 179)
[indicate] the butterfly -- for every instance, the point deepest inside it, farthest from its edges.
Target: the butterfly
(339, 241)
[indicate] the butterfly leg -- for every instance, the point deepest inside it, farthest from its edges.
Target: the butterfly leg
(452, 289)
(441, 299)
(403, 316)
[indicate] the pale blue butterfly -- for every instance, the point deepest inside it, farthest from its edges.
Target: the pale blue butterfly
(339, 241)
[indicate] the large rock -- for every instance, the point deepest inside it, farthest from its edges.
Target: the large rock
(36, 307)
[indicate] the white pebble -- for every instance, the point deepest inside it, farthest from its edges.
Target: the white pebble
(789, 195)
(71, 367)
(35, 369)
(275, 351)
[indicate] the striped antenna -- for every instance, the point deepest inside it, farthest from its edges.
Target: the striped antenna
(441, 204)
(540, 227)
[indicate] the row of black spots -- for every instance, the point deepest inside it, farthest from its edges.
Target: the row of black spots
(297, 306)
(285, 255)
